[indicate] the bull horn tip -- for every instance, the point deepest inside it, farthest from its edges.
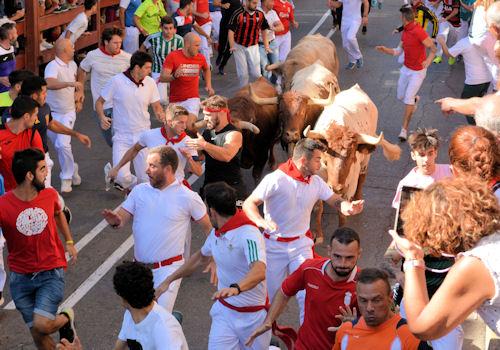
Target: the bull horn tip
(306, 130)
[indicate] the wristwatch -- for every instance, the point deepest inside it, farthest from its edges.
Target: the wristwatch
(235, 285)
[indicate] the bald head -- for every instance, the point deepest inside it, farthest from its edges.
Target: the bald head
(488, 113)
(493, 18)
(64, 49)
(192, 44)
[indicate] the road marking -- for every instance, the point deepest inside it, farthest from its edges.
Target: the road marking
(315, 28)
(331, 32)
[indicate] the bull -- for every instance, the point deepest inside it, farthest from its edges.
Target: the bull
(347, 127)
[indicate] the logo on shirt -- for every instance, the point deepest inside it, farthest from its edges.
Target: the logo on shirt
(347, 298)
(31, 221)
(313, 286)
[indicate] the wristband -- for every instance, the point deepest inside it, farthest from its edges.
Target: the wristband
(70, 242)
(235, 285)
(413, 263)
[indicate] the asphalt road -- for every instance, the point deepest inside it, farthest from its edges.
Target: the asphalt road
(89, 283)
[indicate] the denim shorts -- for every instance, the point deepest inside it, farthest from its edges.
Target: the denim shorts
(39, 292)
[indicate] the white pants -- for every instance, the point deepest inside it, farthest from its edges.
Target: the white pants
(216, 17)
(49, 163)
(3, 275)
(121, 144)
(451, 341)
(247, 63)
(191, 104)
(283, 258)
(409, 83)
(349, 29)
(162, 88)
(62, 144)
(131, 40)
(447, 31)
(167, 299)
(205, 48)
(230, 329)
(284, 44)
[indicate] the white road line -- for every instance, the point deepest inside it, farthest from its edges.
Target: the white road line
(331, 32)
(315, 28)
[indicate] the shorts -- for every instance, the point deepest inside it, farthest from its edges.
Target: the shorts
(39, 292)
(409, 83)
(191, 104)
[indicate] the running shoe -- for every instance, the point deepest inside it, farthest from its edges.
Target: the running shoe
(350, 66)
(66, 186)
(438, 59)
(451, 61)
(76, 180)
(403, 135)
(68, 330)
(360, 63)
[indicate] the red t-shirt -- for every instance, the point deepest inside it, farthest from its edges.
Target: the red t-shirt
(323, 299)
(186, 85)
(30, 231)
(202, 7)
(10, 143)
(286, 14)
(414, 50)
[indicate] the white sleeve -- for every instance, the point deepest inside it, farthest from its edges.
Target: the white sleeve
(274, 18)
(155, 94)
(77, 23)
(143, 138)
(197, 208)
(262, 191)
(324, 192)
(170, 334)
(51, 70)
(253, 246)
(206, 249)
(124, 3)
(123, 331)
(458, 48)
(129, 203)
(147, 42)
(86, 64)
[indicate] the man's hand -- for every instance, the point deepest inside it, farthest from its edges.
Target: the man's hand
(382, 49)
(268, 49)
(226, 6)
(73, 253)
(212, 268)
(105, 122)
(295, 24)
(268, 225)
(113, 219)
(66, 345)
(225, 293)
(232, 49)
(263, 328)
(84, 139)
(209, 40)
(364, 21)
(113, 173)
(346, 315)
(209, 90)
(426, 63)
(185, 152)
(442, 20)
(162, 288)
(446, 105)
(351, 208)
(198, 143)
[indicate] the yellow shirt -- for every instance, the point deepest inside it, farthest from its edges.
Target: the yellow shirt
(150, 14)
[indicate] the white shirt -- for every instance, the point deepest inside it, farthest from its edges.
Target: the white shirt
(77, 27)
(63, 100)
(102, 68)
(289, 202)
(154, 138)
(159, 330)
(234, 252)
(476, 71)
(162, 219)
(130, 103)
(351, 9)
(271, 18)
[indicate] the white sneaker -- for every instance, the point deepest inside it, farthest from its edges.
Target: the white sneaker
(76, 180)
(66, 186)
(403, 135)
(46, 44)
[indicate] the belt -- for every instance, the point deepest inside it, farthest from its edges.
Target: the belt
(165, 262)
(186, 183)
(245, 308)
(287, 239)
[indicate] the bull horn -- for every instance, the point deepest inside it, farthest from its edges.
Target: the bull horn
(324, 101)
(262, 100)
(274, 66)
(370, 140)
(241, 124)
(313, 134)
(391, 151)
(200, 124)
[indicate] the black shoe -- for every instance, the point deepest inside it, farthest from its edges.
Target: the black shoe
(221, 71)
(68, 330)
(178, 316)
(363, 30)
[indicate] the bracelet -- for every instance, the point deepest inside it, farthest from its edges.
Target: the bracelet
(413, 263)
(70, 242)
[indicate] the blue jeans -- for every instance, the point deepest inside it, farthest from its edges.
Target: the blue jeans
(268, 58)
(39, 292)
(2, 186)
(107, 134)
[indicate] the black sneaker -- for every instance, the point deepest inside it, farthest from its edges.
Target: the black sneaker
(221, 71)
(178, 316)
(68, 330)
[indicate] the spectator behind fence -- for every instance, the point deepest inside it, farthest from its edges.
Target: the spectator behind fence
(8, 37)
(80, 23)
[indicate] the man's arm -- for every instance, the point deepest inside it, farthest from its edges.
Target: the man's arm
(127, 157)
(451, 15)
(81, 76)
(256, 275)
(59, 128)
(166, 75)
(137, 22)
(388, 51)
(120, 345)
(207, 75)
(200, 31)
(225, 153)
(122, 17)
(366, 8)
(63, 228)
(158, 111)
(251, 208)
(345, 207)
(230, 38)
(429, 43)
(441, 41)
(206, 225)
(277, 26)
(465, 107)
(99, 109)
(116, 219)
(194, 166)
(54, 84)
(334, 4)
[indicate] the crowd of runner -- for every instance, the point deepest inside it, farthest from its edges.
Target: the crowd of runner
(259, 248)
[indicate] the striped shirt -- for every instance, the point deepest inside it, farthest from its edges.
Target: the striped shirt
(160, 48)
(247, 26)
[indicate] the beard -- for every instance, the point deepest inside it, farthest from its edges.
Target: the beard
(342, 272)
(157, 182)
(213, 125)
(39, 185)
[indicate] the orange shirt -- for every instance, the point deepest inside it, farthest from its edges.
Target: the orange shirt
(384, 337)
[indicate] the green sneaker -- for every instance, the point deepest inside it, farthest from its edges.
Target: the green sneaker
(438, 59)
(451, 61)
(68, 330)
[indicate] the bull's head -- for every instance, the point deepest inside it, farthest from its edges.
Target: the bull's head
(196, 126)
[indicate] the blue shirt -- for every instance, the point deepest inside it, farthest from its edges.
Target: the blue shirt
(129, 12)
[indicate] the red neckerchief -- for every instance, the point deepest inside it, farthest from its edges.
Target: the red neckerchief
(127, 74)
(217, 110)
(494, 181)
(291, 170)
(103, 49)
(174, 139)
(237, 220)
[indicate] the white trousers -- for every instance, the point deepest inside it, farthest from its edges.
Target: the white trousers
(230, 329)
(62, 144)
(121, 144)
(447, 31)
(349, 29)
(131, 40)
(192, 105)
(451, 341)
(205, 48)
(283, 258)
(247, 63)
(284, 44)
(409, 83)
(3, 275)
(216, 16)
(167, 299)
(49, 163)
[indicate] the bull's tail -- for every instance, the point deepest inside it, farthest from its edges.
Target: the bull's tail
(391, 151)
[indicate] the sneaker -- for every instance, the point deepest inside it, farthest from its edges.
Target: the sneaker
(359, 63)
(76, 180)
(58, 10)
(380, 6)
(403, 135)
(1, 299)
(221, 71)
(451, 61)
(68, 330)
(46, 44)
(66, 186)
(364, 30)
(438, 59)
(350, 66)
(178, 316)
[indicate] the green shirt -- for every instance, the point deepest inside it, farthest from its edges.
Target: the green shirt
(150, 15)
(5, 100)
(160, 48)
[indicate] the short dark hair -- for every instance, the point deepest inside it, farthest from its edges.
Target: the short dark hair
(371, 275)
(88, 4)
(133, 281)
(32, 85)
(140, 58)
(221, 197)
(26, 161)
(423, 139)
(407, 13)
(184, 3)
(345, 236)
(306, 147)
(18, 76)
(167, 20)
(22, 105)
(108, 33)
(167, 156)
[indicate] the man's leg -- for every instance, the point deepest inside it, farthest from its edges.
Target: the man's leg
(204, 47)
(62, 144)
(167, 299)
(444, 30)
(285, 46)
(241, 64)
(222, 335)
(277, 265)
(216, 17)
(120, 146)
(263, 61)
(246, 323)
(253, 59)
(302, 250)
(416, 78)
(353, 46)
